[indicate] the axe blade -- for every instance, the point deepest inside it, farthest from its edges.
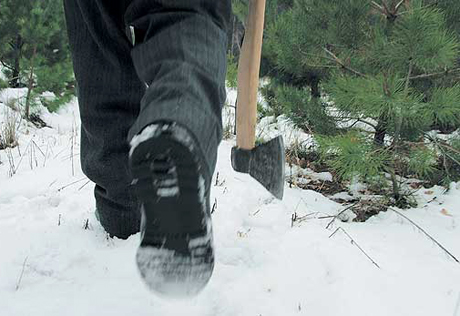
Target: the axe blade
(265, 163)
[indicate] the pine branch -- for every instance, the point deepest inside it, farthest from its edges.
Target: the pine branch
(399, 5)
(445, 73)
(341, 63)
(359, 120)
(378, 7)
(386, 11)
(441, 143)
(5, 65)
(445, 154)
(426, 234)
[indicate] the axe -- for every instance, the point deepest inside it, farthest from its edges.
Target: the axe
(265, 162)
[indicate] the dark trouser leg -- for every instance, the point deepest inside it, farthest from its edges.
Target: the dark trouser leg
(180, 53)
(109, 93)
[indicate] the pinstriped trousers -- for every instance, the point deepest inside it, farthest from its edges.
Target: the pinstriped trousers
(137, 62)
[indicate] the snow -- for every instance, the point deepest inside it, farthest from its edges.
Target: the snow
(265, 264)
(268, 127)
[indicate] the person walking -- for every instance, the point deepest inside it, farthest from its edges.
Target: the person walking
(151, 86)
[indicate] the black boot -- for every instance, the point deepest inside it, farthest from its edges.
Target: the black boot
(175, 256)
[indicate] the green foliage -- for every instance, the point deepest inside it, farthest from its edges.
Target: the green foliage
(275, 107)
(393, 69)
(240, 9)
(380, 98)
(296, 41)
(3, 84)
(422, 162)
(444, 106)
(451, 11)
(307, 113)
(232, 72)
(272, 9)
(352, 156)
(421, 38)
(35, 49)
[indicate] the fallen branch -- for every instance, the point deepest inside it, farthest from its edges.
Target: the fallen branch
(356, 244)
(426, 234)
(300, 219)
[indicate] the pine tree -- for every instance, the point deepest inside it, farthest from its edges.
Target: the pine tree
(298, 39)
(35, 50)
(391, 66)
(240, 10)
(12, 15)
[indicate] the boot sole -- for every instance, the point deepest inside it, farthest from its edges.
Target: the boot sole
(175, 256)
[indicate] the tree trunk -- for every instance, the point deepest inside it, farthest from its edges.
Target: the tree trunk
(14, 82)
(380, 132)
(315, 90)
(30, 84)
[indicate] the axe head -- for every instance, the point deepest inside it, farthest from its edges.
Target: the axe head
(265, 163)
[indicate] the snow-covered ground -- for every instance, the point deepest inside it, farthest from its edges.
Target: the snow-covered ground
(266, 265)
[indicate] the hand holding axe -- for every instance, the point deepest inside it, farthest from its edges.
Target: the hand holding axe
(265, 163)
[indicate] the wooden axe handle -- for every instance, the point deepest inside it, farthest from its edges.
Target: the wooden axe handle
(248, 76)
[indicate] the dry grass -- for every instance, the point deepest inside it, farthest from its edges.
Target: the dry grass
(8, 129)
(229, 126)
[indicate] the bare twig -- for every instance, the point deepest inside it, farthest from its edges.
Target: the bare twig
(12, 168)
(214, 207)
(22, 273)
(442, 73)
(426, 234)
(68, 185)
(399, 4)
(219, 182)
(6, 65)
(20, 160)
(59, 153)
(378, 7)
(293, 219)
(86, 183)
(340, 213)
(298, 219)
(39, 149)
(356, 244)
(86, 226)
(341, 63)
